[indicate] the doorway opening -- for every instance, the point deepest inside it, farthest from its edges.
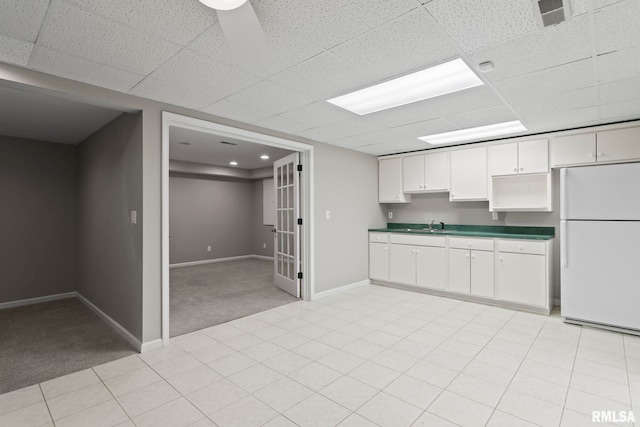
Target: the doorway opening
(196, 176)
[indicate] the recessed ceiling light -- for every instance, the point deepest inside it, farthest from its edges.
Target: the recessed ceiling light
(264, 157)
(223, 4)
(184, 143)
(475, 133)
(233, 163)
(442, 79)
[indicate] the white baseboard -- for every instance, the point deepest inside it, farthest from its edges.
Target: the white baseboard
(211, 261)
(151, 345)
(37, 300)
(323, 294)
(135, 342)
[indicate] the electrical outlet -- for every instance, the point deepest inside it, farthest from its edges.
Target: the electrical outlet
(208, 248)
(494, 216)
(328, 214)
(264, 246)
(134, 217)
(390, 215)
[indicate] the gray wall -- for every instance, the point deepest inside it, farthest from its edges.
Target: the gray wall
(109, 246)
(346, 183)
(261, 233)
(37, 218)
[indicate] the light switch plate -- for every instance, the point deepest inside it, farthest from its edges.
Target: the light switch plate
(134, 217)
(328, 214)
(390, 215)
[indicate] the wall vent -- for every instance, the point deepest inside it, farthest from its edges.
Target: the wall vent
(551, 12)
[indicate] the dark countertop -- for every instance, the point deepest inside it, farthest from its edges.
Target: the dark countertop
(489, 231)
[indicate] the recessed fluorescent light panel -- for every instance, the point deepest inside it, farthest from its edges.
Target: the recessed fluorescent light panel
(233, 163)
(475, 133)
(442, 79)
(264, 157)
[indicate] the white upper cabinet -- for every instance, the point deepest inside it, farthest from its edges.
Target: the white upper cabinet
(426, 173)
(469, 174)
(617, 145)
(390, 182)
(519, 158)
(573, 149)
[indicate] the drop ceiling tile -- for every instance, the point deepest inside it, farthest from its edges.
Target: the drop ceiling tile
(428, 127)
(319, 113)
(616, 27)
(341, 129)
(348, 142)
(394, 147)
(621, 110)
(476, 24)
(22, 19)
(624, 90)
(620, 65)
(233, 111)
(177, 93)
(599, 4)
(194, 70)
(408, 43)
(566, 101)
(270, 97)
(332, 22)
(477, 98)
(82, 70)
(282, 124)
(563, 120)
(176, 21)
(549, 82)
(410, 113)
(101, 40)
(324, 76)
(482, 117)
(15, 51)
(550, 47)
(381, 135)
(579, 7)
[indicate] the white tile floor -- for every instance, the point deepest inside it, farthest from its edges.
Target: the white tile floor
(366, 357)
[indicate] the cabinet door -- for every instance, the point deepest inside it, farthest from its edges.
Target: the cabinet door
(379, 261)
(436, 172)
(402, 264)
(413, 173)
(533, 156)
(390, 181)
(469, 174)
(459, 271)
(482, 267)
(573, 149)
(503, 159)
(619, 144)
(431, 267)
(521, 278)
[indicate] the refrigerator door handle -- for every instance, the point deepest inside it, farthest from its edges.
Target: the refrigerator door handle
(563, 193)
(564, 243)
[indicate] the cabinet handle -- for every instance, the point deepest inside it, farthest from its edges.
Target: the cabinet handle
(520, 247)
(599, 154)
(384, 249)
(515, 169)
(417, 251)
(521, 169)
(470, 244)
(592, 155)
(501, 259)
(473, 257)
(467, 256)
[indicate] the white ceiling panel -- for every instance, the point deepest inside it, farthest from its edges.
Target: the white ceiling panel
(482, 117)
(564, 120)
(579, 7)
(213, 77)
(381, 135)
(282, 124)
(101, 40)
(82, 70)
(411, 113)
(624, 90)
(270, 97)
(565, 101)
(341, 129)
(549, 47)
(324, 76)
(177, 93)
(617, 26)
(476, 24)
(621, 110)
(428, 127)
(549, 82)
(477, 98)
(318, 114)
(620, 65)
(176, 21)
(231, 110)
(410, 42)
(332, 22)
(348, 142)
(15, 51)
(21, 19)
(598, 4)
(394, 147)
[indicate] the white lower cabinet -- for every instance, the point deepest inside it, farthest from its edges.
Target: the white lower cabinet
(509, 270)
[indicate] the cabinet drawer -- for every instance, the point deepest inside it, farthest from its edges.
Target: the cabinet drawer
(379, 237)
(471, 243)
(417, 240)
(522, 247)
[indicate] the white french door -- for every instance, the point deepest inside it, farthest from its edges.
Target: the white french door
(287, 237)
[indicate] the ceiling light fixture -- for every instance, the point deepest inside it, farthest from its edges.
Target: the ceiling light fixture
(233, 163)
(475, 133)
(264, 157)
(442, 79)
(223, 4)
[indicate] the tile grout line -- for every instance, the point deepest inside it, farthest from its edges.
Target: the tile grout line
(46, 404)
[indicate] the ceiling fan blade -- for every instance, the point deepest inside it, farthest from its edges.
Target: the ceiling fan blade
(244, 35)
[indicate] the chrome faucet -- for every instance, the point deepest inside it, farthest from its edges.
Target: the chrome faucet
(431, 225)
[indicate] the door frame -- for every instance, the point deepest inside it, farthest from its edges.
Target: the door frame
(306, 199)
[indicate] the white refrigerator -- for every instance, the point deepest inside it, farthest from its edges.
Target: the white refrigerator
(600, 246)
